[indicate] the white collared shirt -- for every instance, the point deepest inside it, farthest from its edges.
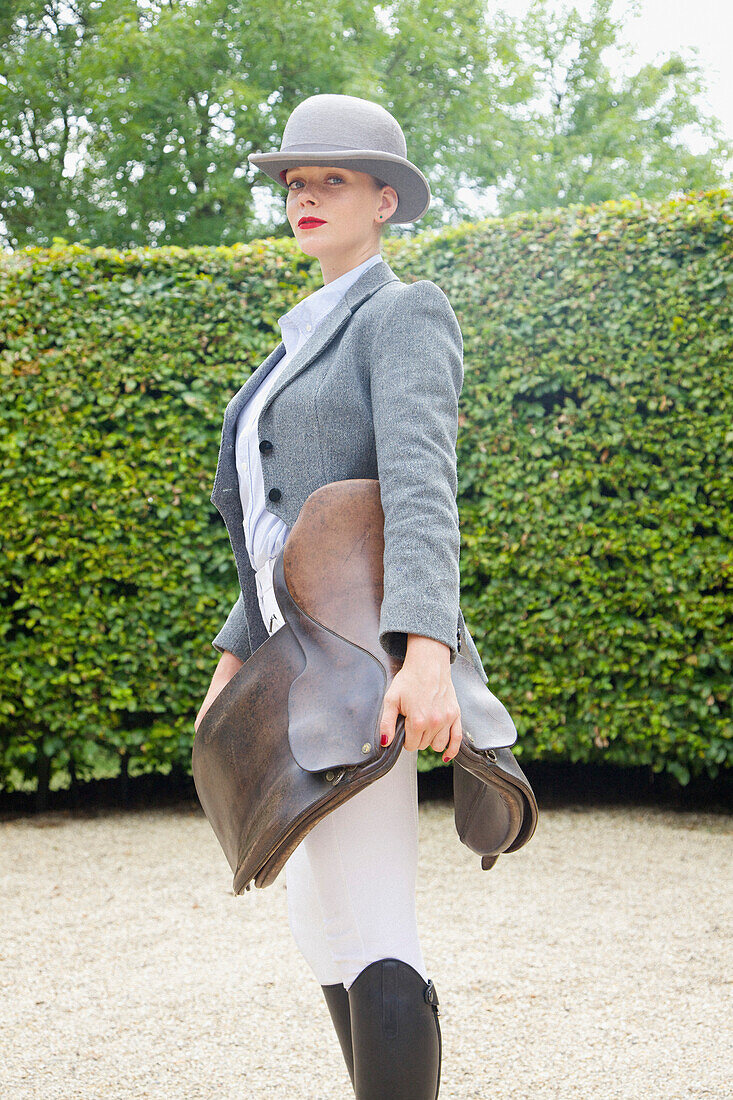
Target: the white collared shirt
(265, 533)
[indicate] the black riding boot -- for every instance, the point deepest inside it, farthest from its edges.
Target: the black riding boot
(337, 1000)
(395, 1033)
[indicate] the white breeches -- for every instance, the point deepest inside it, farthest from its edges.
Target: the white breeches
(351, 881)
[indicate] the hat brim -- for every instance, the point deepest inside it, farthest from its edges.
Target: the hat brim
(413, 190)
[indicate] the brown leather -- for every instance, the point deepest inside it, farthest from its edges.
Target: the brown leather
(295, 732)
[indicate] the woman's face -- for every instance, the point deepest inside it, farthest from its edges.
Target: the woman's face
(347, 205)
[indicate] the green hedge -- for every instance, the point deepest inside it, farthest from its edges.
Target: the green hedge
(594, 480)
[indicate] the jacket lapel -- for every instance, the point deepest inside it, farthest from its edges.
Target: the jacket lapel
(243, 394)
(373, 278)
(330, 326)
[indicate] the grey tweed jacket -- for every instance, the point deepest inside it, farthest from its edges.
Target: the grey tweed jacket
(373, 393)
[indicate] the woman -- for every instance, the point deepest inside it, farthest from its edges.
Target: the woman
(365, 384)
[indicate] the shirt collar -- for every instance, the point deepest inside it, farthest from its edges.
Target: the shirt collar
(299, 322)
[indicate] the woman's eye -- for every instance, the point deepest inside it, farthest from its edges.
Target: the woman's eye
(292, 184)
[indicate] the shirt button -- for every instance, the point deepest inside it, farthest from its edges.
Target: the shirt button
(308, 328)
(265, 445)
(274, 494)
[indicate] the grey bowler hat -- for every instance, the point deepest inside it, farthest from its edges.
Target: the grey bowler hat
(349, 132)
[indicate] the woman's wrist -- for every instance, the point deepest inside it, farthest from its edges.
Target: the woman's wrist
(420, 648)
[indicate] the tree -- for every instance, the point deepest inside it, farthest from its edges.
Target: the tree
(44, 121)
(128, 122)
(592, 137)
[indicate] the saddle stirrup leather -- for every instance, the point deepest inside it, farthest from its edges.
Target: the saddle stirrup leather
(295, 731)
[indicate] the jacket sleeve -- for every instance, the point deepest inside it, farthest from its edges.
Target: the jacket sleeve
(416, 377)
(234, 635)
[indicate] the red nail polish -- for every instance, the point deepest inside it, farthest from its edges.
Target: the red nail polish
(383, 739)
(445, 759)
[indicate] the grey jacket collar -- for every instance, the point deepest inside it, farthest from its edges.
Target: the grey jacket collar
(372, 279)
(225, 479)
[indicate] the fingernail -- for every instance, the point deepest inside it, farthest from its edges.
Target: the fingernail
(383, 739)
(445, 759)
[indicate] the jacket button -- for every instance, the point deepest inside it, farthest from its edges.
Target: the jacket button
(274, 494)
(265, 445)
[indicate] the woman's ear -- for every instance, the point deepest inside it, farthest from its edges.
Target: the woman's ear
(395, 200)
(391, 194)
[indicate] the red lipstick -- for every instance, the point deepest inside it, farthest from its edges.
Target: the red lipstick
(307, 221)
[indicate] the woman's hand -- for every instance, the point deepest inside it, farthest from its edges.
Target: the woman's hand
(423, 691)
(227, 666)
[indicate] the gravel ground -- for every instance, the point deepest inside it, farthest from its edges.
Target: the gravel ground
(595, 962)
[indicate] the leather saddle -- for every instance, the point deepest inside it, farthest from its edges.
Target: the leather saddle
(295, 732)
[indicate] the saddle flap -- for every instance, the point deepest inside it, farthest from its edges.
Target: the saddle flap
(335, 703)
(485, 721)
